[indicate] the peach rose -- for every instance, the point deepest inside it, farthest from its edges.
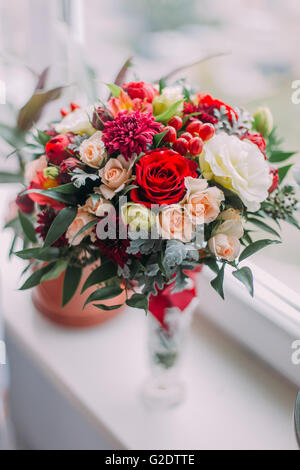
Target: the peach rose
(202, 203)
(175, 224)
(92, 151)
(225, 246)
(115, 175)
(81, 220)
(232, 224)
(100, 208)
(35, 167)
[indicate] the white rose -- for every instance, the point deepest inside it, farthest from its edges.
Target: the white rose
(92, 151)
(77, 122)
(239, 166)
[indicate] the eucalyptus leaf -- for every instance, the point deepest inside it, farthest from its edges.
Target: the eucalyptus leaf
(31, 112)
(278, 156)
(68, 188)
(108, 308)
(87, 227)
(114, 89)
(6, 178)
(27, 227)
(56, 195)
(245, 276)
(71, 282)
(255, 247)
(60, 225)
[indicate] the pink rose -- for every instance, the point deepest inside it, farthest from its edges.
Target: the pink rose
(81, 220)
(174, 224)
(225, 247)
(115, 175)
(202, 203)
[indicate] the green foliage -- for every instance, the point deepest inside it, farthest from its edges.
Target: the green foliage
(105, 293)
(41, 254)
(263, 226)
(245, 276)
(88, 226)
(80, 178)
(31, 112)
(279, 156)
(104, 273)
(27, 227)
(60, 225)
(35, 279)
(57, 269)
(138, 301)
(255, 247)
(169, 113)
(283, 171)
(158, 138)
(218, 282)
(69, 199)
(7, 178)
(114, 89)
(71, 282)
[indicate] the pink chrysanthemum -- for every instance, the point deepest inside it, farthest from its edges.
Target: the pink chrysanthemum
(130, 133)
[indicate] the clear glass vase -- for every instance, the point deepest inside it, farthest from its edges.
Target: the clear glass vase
(164, 388)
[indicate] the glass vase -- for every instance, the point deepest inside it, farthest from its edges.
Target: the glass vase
(164, 388)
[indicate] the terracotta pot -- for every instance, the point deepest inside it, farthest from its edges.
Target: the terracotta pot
(47, 298)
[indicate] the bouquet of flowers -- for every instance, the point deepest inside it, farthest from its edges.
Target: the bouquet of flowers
(151, 185)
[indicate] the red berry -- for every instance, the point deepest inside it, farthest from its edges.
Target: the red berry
(207, 131)
(176, 122)
(170, 136)
(274, 173)
(195, 146)
(194, 127)
(181, 146)
(187, 136)
(74, 106)
(64, 112)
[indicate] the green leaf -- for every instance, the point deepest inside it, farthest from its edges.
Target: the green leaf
(41, 254)
(102, 274)
(43, 138)
(245, 276)
(35, 278)
(138, 301)
(114, 89)
(27, 227)
(6, 177)
(218, 282)
(291, 220)
(162, 85)
(64, 189)
(121, 77)
(158, 138)
(263, 226)
(257, 246)
(169, 113)
(56, 195)
(129, 188)
(107, 308)
(278, 156)
(31, 112)
(71, 282)
(12, 136)
(60, 225)
(58, 268)
(88, 226)
(105, 293)
(212, 264)
(283, 171)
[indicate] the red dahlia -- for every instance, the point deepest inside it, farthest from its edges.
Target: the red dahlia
(130, 133)
(44, 222)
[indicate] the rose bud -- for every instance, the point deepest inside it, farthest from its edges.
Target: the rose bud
(207, 131)
(170, 136)
(57, 149)
(274, 173)
(181, 146)
(263, 121)
(195, 146)
(194, 127)
(25, 204)
(100, 117)
(176, 122)
(67, 167)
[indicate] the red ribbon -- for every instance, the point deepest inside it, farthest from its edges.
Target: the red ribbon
(165, 299)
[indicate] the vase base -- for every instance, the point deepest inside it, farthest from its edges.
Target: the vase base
(160, 395)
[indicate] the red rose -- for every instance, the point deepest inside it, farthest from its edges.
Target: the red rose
(57, 149)
(24, 203)
(140, 90)
(66, 167)
(257, 139)
(160, 176)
